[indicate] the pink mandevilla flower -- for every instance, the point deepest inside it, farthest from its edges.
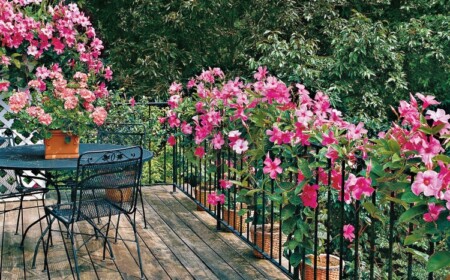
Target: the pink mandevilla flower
(428, 183)
(433, 212)
(349, 232)
(218, 141)
(272, 167)
(172, 140)
(214, 199)
(199, 152)
(240, 146)
(309, 195)
(225, 184)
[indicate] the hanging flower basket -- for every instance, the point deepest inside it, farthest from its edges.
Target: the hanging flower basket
(61, 145)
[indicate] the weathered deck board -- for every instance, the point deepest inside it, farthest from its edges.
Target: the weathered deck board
(179, 243)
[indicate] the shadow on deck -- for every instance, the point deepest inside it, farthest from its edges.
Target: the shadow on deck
(179, 243)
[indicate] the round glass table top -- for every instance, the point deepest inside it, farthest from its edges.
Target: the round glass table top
(31, 157)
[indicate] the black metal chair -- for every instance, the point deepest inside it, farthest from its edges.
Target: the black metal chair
(127, 134)
(107, 184)
(12, 184)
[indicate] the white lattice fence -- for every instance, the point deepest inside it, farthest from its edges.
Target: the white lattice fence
(7, 178)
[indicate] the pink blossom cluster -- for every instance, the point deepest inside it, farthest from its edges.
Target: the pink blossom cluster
(219, 103)
(61, 30)
(414, 141)
(213, 198)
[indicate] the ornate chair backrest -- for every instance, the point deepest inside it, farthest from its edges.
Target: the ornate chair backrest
(8, 178)
(110, 177)
(127, 134)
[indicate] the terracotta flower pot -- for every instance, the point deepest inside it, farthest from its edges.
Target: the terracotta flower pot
(61, 145)
(233, 219)
(119, 195)
(333, 270)
(267, 240)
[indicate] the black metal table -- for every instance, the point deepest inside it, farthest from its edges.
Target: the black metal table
(31, 157)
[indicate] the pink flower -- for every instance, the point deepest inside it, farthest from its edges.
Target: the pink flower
(217, 141)
(175, 88)
(427, 100)
(328, 139)
(332, 154)
(186, 128)
(108, 73)
(438, 117)
(214, 199)
(70, 102)
(428, 183)
(309, 196)
(429, 149)
(349, 232)
(35, 111)
(4, 85)
(362, 187)
(18, 101)
(355, 132)
(132, 102)
(261, 74)
(172, 140)
(433, 212)
(272, 167)
(233, 136)
(45, 119)
(240, 146)
(99, 115)
(199, 152)
(225, 184)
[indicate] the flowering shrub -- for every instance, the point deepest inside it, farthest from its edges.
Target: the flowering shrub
(410, 162)
(51, 67)
(278, 132)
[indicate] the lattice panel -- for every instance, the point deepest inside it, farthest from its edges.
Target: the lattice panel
(7, 177)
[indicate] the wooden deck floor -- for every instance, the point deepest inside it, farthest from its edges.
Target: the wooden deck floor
(179, 243)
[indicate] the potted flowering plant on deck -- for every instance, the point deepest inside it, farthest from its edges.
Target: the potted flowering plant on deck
(51, 68)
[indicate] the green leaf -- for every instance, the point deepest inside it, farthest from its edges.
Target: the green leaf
(304, 167)
(373, 211)
(443, 158)
(423, 257)
(394, 146)
(295, 200)
(410, 197)
(397, 186)
(411, 213)
(287, 212)
(413, 238)
(438, 260)
(253, 192)
(295, 259)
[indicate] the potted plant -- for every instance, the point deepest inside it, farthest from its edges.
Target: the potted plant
(265, 229)
(52, 70)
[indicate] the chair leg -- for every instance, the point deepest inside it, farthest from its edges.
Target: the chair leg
(20, 215)
(142, 204)
(74, 251)
(137, 244)
(36, 248)
(106, 236)
(28, 228)
(45, 246)
(117, 228)
(103, 236)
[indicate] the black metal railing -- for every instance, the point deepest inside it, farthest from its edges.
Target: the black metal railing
(376, 252)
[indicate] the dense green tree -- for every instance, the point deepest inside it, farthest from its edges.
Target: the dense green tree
(364, 54)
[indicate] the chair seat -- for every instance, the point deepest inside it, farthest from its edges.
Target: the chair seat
(88, 210)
